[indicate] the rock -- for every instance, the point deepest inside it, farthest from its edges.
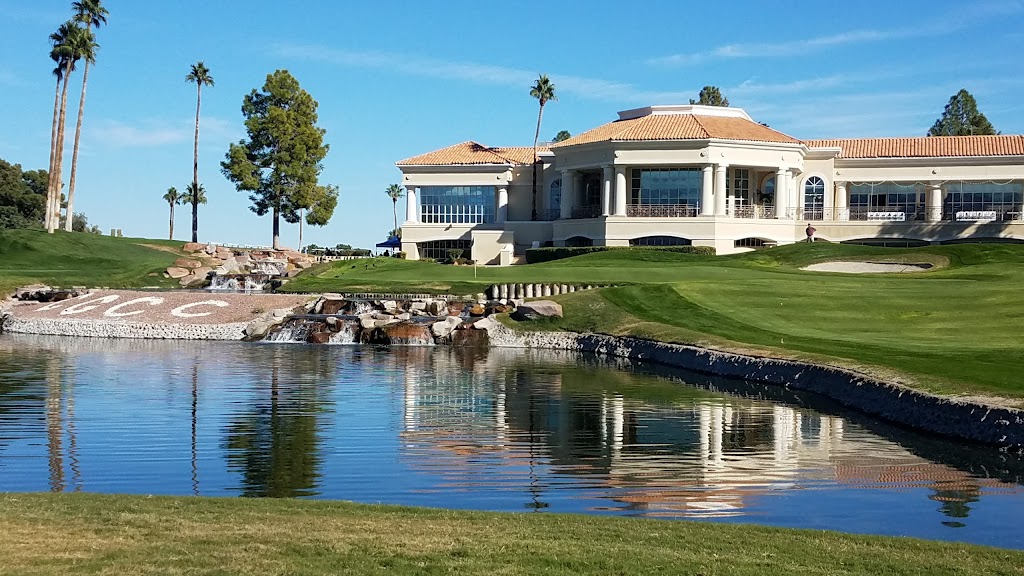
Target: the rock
(367, 322)
(210, 249)
(384, 317)
(537, 310)
(319, 337)
(214, 262)
(186, 280)
(470, 339)
(176, 272)
(192, 247)
(501, 309)
(437, 308)
(484, 324)
(257, 328)
(418, 306)
(477, 310)
(444, 328)
(203, 271)
(404, 316)
(186, 263)
(282, 313)
(332, 306)
(407, 333)
(332, 321)
(389, 306)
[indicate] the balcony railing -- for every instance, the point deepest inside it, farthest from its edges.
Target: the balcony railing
(662, 210)
(586, 212)
(549, 215)
(754, 211)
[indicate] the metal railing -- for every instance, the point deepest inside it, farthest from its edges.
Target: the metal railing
(662, 210)
(754, 211)
(549, 214)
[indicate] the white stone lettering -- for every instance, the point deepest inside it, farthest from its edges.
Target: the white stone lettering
(85, 306)
(53, 305)
(113, 311)
(181, 313)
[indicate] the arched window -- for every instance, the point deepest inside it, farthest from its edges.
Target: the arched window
(814, 198)
(554, 199)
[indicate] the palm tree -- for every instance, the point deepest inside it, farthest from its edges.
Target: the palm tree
(173, 198)
(200, 74)
(190, 197)
(93, 15)
(543, 90)
(58, 72)
(395, 192)
(66, 43)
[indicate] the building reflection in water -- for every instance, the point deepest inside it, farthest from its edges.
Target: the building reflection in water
(488, 423)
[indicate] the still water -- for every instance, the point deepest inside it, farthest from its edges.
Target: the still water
(499, 430)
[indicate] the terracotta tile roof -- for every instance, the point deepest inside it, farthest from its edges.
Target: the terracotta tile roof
(679, 127)
(925, 147)
(469, 153)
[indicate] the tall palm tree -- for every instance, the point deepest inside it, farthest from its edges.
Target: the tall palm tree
(544, 91)
(395, 192)
(200, 75)
(190, 197)
(66, 42)
(93, 15)
(58, 72)
(173, 198)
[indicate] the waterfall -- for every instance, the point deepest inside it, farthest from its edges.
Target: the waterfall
(360, 307)
(348, 334)
(239, 282)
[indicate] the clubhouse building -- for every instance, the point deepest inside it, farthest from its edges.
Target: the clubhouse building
(710, 176)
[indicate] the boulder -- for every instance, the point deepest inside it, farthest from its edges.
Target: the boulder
(332, 306)
(282, 313)
(418, 307)
(406, 333)
(437, 308)
(176, 272)
(319, 337)
(192, 247)
(257, 328)
(203, 271)
(477, 310)
(501, 309)
(187, 263)
(186, 280)
(404, 316)
(444, 328)
(470, 339)
(537, 310)
(484, 324)
(367, 322)
(210, 249)
(331, 321)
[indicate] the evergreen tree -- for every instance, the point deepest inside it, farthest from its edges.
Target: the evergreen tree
(562, 136)
(281, 162)
(710, 96)
(961, 118)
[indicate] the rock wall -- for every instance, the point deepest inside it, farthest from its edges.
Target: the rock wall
(963, 420)
(112, 329)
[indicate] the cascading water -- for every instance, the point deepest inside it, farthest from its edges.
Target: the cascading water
(239, 282)
(348, 334)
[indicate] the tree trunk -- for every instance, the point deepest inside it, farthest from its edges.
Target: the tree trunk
(195, 167)
(536, 136)
(54, 222)
(394, 210)
(170, 233)
(277, 227)
(302, 216)
(74, 152)
(51, 175)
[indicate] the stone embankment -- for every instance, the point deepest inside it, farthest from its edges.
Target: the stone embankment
(136, 314)
(212, 260)
(946, 416)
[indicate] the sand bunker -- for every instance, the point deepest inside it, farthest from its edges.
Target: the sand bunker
(867, 267)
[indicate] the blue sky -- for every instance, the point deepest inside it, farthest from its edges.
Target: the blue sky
(396, 79)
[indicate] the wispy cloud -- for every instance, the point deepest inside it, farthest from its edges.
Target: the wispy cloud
(963, 17)
(413, 65)
(155, 132)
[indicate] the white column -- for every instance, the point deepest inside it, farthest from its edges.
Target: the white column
(707, 191)
(412, 215)
(720, 189)
(796, 195)
(620, 190)
(568, 193)
(933, 203)
(782, 193)
(842, 200)
(606, 190)
(501, 210)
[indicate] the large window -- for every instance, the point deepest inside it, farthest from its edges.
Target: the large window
(814, 198)
(554, 201)
(665, 192)
(983, 200)
(438, 249)
(886, 200)
(457, 204)
(660, 241)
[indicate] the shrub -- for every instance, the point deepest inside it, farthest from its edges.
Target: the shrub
(537, 255)
(400, 255)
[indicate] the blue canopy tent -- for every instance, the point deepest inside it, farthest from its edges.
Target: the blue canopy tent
(393, 243)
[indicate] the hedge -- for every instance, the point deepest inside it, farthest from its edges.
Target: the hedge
(537, 255)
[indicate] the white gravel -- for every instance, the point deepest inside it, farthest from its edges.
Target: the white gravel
(867, 267)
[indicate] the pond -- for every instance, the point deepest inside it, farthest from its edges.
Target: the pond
(504, 430)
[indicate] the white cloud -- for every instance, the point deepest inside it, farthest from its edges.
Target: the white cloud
(412, 65)
(153, 132)
(964, 17)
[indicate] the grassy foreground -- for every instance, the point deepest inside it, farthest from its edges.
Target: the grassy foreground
(955, 330)
(77, 259)
(94, 534)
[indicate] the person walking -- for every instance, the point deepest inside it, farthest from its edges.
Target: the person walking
(810, 232)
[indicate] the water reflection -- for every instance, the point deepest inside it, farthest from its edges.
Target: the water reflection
(504, 430)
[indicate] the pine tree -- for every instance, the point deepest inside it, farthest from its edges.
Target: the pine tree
(710, 96)
(962, 118)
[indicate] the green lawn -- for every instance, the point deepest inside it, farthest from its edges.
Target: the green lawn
(77, 259)
(93, 534)
(957, 330)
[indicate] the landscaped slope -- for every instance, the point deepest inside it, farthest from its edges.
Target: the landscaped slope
(92, 534)
(74, 258)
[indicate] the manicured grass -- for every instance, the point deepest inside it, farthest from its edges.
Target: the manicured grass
(76, 259)
(93, 534)
(956, 330)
